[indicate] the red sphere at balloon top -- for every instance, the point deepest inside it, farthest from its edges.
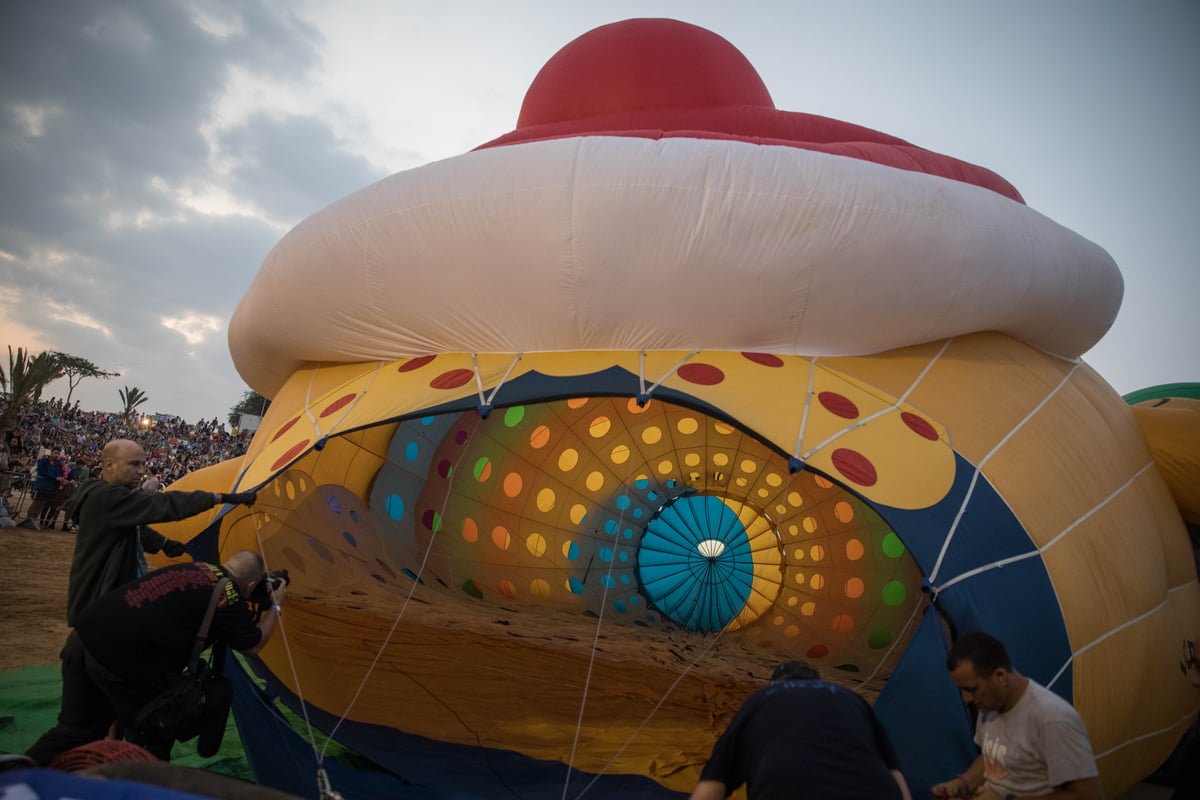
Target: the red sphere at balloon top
(662, 79)
(641, 65)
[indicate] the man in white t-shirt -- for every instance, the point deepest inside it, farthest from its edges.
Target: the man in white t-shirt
(1033, 742)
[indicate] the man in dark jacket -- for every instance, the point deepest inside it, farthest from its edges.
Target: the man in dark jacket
(800, 737)
(129, 645)
(113, 518)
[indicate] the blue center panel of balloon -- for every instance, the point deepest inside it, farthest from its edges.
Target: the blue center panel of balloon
(695, 564)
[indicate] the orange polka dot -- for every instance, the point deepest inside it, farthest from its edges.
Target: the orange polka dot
(540, 437)
(501, 537)
(513, 484)
(855, 549)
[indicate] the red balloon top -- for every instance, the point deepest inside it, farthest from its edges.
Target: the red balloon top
(641, 65)
(661, 78)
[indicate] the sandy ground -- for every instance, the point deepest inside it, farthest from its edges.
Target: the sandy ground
(33, 595)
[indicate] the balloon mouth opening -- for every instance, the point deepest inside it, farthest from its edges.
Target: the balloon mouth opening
(664, 520)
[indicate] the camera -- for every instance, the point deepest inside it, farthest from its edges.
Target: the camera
(270, 582)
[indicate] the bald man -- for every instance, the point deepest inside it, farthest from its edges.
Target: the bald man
(131, 642)
(113, 516)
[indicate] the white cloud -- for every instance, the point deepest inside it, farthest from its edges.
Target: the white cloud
(193, 326)
(65, 312)
(32, 118)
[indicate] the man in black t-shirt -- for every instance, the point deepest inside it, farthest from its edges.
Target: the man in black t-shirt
(130, 643)
(799, 737)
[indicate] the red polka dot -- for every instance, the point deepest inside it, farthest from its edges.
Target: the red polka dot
(460, 437)
(414, 363)
(443, 467)
(920, 426)
(428, 517)
(292, 452)
(854, 466)
(286, 427)
(818, 651)
(766, 359)
(838, 405)
(337, 404)
(452, 379)
(702, 374)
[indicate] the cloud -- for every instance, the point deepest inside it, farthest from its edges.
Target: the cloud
(194, 327)
(135, 200)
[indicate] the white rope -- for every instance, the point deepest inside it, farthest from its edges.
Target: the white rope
(1112, 632)
(895, 642)
(350, 406)
(665, 375)
(587, 682)
(937, 567)
(287, 649)
(1041, 550)
(1134, 740)
(903, 398)
(404, 607)
(812, 370)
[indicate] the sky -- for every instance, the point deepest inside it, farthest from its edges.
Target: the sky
(152, 152)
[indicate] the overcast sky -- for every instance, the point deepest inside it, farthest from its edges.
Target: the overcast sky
(152, 152)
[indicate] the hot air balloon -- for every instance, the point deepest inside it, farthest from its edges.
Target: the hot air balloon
(575, 436)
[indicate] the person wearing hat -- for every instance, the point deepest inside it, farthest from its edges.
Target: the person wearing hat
(799, 737)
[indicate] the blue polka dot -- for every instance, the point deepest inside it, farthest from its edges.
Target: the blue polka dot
(575, 585)
(641, 483)
(671, 483)
(637, 513)
(354, 516)
(625, 576)
(607, 581)
(334, 505)
(606, 554)
(611, 527)
(651, 495)
(572, 552)
(620, 607)
(624, 555)
(394, 505)
(623, 502)
(427, 421)
(628, 533)
(349, 537)
(635, 600)
(411, 451)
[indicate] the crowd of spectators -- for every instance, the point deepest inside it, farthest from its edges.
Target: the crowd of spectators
(75, 437)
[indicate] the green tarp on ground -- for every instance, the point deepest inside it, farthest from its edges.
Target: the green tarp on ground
(29, 703)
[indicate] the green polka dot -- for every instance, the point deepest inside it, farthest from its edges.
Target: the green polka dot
(892, 546)
(513, 416)
(848, 667)
(879, 638)
(480, 466)
(436, 524)
(894, 593)
(471, 588)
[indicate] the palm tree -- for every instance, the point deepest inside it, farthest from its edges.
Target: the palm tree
(132, 398)
(23, 382)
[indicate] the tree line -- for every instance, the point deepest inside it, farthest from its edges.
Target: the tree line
(28, 374)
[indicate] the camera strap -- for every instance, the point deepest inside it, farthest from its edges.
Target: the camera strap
(202, 634)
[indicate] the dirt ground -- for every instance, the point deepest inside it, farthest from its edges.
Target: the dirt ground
(33, 595)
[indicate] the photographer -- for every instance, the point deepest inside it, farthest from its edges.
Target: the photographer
(130, 645)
